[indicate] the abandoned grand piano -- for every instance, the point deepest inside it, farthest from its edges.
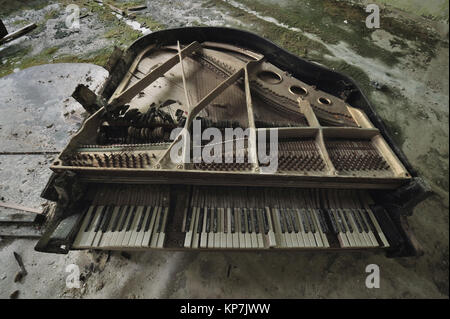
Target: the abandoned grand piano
(340, 182)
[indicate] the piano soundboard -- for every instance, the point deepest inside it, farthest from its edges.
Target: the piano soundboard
(340, 182)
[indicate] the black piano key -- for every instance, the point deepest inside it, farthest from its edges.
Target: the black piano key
(358, 225)
(304, 220)
(322, 221)
(200, 220)
(265, 222)
(347, 221)
(256, 220)
(333, 221)
(249, 221)
(208, 220)
(369, 220)
(91, 218)
(281, 219)
(225, 221)
(149, 218)
(99, 221)
(363, 222)
(233, 221)
(215, 221)
(310, 221)
(107, 219)
(141, 220)
(188, 219)
(242, 221)
(340, 221)
(133, 214)
(288, 221)
(124, 218)
(161, 220)
(293, 220)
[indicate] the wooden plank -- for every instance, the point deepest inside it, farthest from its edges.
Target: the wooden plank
(305, 108)
(390, 157)
(26, 231)
(17, 217)
(17, 34)
(137, 8)
(20, 207)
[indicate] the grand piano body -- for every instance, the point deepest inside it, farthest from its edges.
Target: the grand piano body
(340, 182)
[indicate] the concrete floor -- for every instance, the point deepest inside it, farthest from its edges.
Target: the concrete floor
(415, 107)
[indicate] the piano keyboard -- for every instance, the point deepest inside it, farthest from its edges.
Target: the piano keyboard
(125, 217)
(243, 219)
(137, 216)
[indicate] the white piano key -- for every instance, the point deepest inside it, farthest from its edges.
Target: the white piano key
(115, 234)
(289, 227)
(285, 235)
(106, 238)
(293, 234)
(354, 231)
(242, 243)
(210, 219)
(316, 222)
(248, 237)
(308, 230)
(189, 233)
(271, 234)
(195, 234)
(323, 233)
(348, 234)
(364, 237)
(257, 221)
(295, 224)
(281, 241)
(343, 240)
(203, 235)
(217, 228)
(301, 229)
(223, 238)
(162, 233)
(129, 226)
(356, 235)
(146, 241)
(377, 227)
(235, 235)
(82, 233)
(154, 239)
(313, 227)
(369, 229)
(229, 235)
(134, 226)
(141, 234)
(91, 236)
(126, 215)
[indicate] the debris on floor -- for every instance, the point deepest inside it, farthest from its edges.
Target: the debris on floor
(5, 38)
